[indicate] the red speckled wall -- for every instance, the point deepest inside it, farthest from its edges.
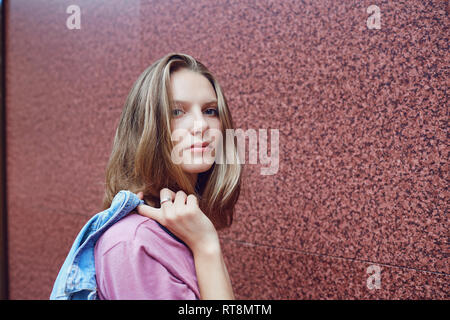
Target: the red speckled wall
(357, 208)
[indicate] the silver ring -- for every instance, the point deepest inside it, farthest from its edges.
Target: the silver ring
(164, 200)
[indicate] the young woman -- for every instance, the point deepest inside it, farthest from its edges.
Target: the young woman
(166, 150)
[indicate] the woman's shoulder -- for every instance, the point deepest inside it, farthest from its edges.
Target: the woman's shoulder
(137, 248)
(136, 237)
(137, 230)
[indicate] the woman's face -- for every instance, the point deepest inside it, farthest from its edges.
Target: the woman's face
(195, 120)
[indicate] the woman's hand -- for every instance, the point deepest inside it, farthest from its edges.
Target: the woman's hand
(183, 217)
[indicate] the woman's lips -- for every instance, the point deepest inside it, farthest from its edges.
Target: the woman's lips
(199, 146)
(199, 149)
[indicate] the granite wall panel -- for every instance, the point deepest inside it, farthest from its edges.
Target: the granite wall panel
(65, 91)
(362, 119)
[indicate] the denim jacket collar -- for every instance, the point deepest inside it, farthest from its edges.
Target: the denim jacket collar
(76, 278)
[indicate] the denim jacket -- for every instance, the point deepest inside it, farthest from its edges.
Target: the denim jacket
(76, 278)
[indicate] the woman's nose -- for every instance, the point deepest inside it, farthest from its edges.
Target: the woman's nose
(199, 125)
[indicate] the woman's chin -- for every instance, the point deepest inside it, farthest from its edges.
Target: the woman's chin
(197, 168)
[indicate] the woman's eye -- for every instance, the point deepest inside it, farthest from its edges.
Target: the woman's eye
(212, 112)
(177, 112)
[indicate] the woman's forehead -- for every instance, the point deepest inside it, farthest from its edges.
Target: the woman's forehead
(191, 87)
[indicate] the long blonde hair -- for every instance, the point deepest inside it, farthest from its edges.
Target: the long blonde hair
(141, 154)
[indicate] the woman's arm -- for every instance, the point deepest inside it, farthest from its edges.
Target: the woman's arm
(212, 275)
(184, 218)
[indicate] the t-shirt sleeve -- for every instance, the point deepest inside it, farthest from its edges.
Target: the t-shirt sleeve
(128, 272)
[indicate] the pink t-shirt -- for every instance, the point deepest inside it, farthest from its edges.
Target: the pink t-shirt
(137, 259)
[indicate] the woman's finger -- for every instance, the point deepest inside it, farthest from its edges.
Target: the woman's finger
(150, 212)
(192, 201)
(180, 199)
(165, 194)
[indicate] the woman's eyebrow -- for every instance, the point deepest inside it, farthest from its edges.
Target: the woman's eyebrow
(188, 103)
